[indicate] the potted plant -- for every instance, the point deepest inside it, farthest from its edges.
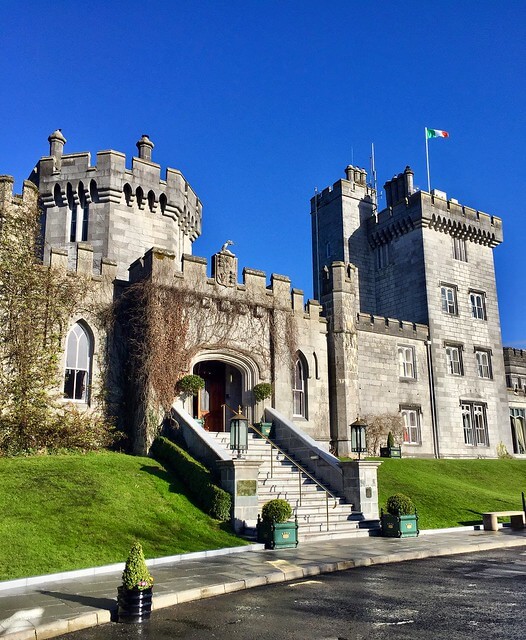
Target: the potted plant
(390, 451)
(190, 384)
(274, 528)
(401, 519)
(262, 391)
(135, 594)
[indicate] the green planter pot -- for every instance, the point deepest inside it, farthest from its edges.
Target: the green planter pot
(390, 452)
(278, 535)
(264, 427)
(399, 526)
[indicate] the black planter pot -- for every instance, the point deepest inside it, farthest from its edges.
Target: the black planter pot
(135, 605)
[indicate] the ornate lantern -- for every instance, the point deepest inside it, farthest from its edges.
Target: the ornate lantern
(239, 433)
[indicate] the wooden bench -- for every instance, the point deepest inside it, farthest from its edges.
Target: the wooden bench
(489, 519)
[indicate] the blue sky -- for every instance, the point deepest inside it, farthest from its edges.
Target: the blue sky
(259, 102)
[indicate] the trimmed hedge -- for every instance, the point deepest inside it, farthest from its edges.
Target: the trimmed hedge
(198, 480)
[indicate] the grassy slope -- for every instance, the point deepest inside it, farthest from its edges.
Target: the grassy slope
(450, 493)
(75, 511)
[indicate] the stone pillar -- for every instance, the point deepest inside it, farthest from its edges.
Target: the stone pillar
(360, 486)
(240, 478)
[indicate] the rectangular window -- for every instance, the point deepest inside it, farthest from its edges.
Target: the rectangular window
(406, 362)
(475, 424)
(411, 418)
(454, 360)
(382, 256)
(518, 430)
(483, 364)
(459, 249)
(478, 305)
(449, 299)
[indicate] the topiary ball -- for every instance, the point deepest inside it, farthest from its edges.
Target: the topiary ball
(277, 510)
(400, 505)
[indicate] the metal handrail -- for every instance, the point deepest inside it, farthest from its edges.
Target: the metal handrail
(302, 470)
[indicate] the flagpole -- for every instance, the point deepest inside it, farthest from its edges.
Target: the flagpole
(427, 162)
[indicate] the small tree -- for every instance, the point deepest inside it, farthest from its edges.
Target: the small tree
(136, 574)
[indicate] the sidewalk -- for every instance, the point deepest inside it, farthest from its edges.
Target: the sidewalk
(49, 609)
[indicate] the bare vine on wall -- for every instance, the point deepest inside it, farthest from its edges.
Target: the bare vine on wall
(168, 325)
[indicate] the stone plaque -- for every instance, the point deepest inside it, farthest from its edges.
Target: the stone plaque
(225, 269)
(246, 487)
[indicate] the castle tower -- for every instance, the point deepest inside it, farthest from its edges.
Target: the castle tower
(120, 212)
(338, 218)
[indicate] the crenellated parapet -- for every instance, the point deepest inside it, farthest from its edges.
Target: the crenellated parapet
(390, 326)
(252, 295)
(120, 211)
(435, 211)
(70, 178)
(354, 185)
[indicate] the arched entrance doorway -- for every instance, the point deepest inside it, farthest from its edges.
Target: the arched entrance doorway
(223, 392)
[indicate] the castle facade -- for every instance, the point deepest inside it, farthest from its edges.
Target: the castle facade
(405, 320)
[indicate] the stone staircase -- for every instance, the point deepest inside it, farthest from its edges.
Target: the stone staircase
(280, 478)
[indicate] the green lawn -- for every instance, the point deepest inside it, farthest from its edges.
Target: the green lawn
(75, 511)
(450, 493)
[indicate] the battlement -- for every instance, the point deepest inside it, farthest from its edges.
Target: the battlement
(514, 357)
(29, 195)
(84, 263)
(71, 179)
(390, 326)
(354, 186)
(253, 292)
(435, 211)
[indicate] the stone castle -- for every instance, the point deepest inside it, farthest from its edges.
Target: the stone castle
(405, 320)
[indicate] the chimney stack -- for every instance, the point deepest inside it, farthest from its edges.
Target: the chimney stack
(145, 146)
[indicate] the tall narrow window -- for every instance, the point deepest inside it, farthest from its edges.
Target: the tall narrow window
(459, 249)
(298, 393)
(78, 361)
(411, 420)
(454, 360)
(406, 362)
(483, 364)
(449, 299)
(478, 305)
(518, 430)
(475, 424)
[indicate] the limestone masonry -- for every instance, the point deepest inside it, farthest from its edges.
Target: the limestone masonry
(407, 322)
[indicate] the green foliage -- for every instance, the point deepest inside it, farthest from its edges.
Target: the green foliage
(262, 391)
(277, 510)
(36, 304)
(136, 574)
(390, 440)
(74, 511)
(450, 493)
(198, 480)
(190, 384)
(400, 505)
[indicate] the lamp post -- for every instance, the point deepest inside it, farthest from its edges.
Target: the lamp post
(358, 439)
(239, 432)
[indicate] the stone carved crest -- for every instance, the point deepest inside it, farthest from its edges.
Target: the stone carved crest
(225, 268)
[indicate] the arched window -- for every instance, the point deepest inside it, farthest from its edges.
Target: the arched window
(139, 195)
(128, 194)
(79, 348)
(151, 200)
(299, 395)
(57, 195)
(162, 202)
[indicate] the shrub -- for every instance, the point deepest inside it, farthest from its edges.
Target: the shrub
(390, 440)
(198, 480)
(190, 384)
(277, 510)
(262, 391)
(136, 574)
(400, 505)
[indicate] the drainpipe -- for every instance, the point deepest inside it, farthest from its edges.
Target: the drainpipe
(434, 421)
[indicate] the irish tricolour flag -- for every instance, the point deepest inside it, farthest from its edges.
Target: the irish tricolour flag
(436, 133)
